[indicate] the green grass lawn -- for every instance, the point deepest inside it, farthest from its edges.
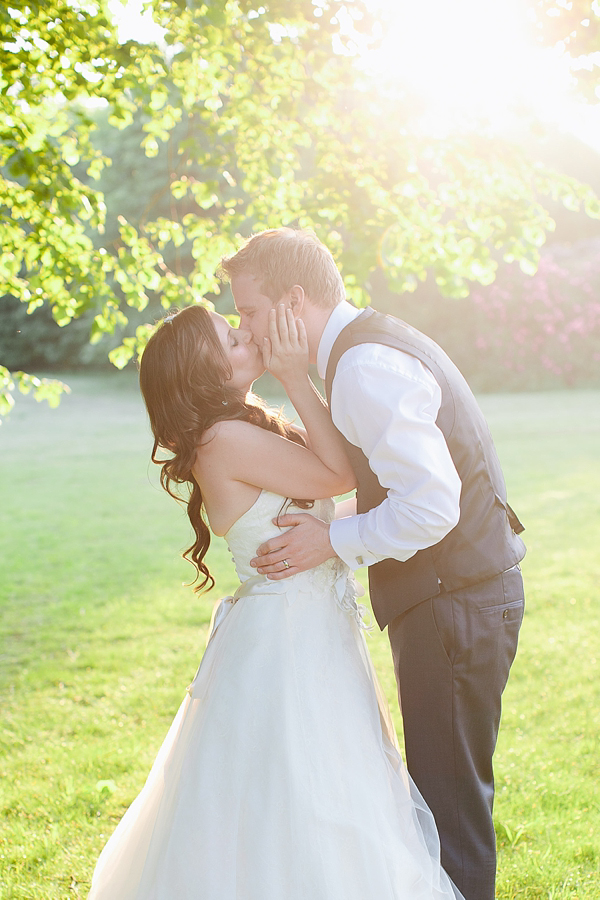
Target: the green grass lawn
(99, 636)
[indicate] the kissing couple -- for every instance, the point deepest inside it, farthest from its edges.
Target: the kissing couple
(280, 777)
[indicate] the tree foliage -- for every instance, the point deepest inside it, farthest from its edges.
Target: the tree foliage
(260, 123)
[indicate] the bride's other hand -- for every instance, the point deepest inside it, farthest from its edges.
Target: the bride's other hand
(285, 350)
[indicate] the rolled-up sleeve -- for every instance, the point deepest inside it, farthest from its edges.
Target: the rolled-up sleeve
(386, 402)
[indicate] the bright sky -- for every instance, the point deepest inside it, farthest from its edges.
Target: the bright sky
(473, 57)
(463, 58)
(132, 23)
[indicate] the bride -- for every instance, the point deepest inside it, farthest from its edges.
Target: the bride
(280, 777)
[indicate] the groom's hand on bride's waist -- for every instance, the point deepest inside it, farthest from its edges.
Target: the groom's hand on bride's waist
(305, 545)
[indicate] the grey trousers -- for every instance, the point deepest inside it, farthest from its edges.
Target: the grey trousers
(452, 655)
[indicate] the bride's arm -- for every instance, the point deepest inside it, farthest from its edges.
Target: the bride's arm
(237, 451)
(285, 355)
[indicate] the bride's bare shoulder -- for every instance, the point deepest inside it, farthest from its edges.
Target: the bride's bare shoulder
(224, 495)
(222, 442)
(225, 433)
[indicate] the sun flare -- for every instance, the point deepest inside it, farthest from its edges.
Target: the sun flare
(469, 59)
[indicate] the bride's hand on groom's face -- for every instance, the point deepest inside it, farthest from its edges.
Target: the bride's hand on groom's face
(303, 547)
(285, 350)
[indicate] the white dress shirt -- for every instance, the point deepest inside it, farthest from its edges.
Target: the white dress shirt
(386, 402)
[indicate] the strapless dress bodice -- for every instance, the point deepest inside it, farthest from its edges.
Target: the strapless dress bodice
(256, 526)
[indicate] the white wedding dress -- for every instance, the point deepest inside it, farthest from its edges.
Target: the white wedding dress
(279, 778)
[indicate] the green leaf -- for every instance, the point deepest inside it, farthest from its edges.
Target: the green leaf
(121, 355)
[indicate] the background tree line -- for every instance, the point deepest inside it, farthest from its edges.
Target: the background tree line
(522, 331)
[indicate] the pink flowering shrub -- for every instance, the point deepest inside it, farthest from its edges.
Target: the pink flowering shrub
(541, 330)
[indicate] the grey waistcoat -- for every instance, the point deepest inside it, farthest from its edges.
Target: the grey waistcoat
(485, 542)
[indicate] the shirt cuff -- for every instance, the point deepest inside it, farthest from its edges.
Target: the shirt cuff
(345, 540)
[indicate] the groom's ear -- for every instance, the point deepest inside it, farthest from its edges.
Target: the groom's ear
(296, 298)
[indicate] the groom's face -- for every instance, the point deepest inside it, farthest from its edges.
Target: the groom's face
(252, 305)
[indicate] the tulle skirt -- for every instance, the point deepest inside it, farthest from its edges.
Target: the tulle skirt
(279, 778)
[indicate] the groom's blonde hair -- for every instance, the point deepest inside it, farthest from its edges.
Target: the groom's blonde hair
(282, 257)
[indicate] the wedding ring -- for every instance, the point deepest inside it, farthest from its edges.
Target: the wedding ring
(286, 563)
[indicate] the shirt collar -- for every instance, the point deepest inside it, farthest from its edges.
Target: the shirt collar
(342, 315)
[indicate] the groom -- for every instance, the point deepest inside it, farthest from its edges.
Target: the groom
(433, 526)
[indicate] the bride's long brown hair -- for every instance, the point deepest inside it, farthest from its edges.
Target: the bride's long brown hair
(184, 377)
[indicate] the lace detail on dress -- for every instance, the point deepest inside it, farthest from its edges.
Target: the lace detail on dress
(347, 591)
